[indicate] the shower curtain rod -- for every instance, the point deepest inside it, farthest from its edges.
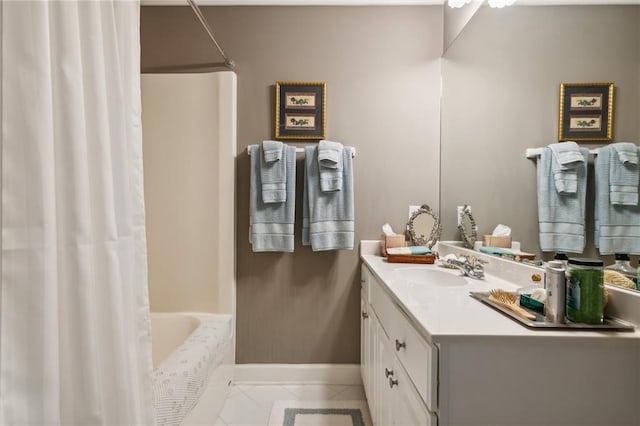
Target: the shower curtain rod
(229, 63)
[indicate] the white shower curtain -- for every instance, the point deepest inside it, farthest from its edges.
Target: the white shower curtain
(74, 317)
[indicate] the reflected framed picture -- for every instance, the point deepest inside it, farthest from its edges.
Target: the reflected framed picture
(300, 110)
(586, 112)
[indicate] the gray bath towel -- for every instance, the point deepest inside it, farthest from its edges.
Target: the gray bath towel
(271, 224)
(330, 163)
(623, 174)
(273, 172)
(617, 226)
(328, 217)
(566, 160)
(561, 216)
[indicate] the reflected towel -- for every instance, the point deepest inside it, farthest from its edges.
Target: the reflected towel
(273, 172)
(617, 227)
(330, 164)
(561, 216)
(623, 174)
(567, 159)
(328, 217)
(271, 224)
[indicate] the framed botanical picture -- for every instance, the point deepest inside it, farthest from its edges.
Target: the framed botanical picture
(586, 112)
(300, 110)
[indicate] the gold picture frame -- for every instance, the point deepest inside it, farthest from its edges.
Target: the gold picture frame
(586, 112)
(300, 110)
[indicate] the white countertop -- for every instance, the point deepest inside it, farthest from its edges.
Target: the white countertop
(444, 312)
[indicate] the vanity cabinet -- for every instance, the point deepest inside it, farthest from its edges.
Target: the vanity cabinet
(399, 368)
(432, 355)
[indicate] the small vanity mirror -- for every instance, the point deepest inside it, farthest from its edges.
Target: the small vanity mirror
(424, 227)
(467, 226)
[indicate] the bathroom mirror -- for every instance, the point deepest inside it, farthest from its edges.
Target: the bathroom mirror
(467, 226)
(424, 227)
(496, 60)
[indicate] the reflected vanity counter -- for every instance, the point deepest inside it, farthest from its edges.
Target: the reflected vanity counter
(432, 351)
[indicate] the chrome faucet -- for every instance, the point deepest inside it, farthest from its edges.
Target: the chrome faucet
(470, 266)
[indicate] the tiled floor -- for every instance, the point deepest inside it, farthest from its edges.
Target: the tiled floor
(250, 405)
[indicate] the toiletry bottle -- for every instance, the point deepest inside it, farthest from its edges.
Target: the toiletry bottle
(585, 291)
(623, 266)
(554, 283)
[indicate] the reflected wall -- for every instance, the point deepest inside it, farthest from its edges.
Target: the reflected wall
(500, 96)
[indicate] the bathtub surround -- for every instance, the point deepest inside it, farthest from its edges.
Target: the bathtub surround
(75, 334)
(189, 149)
(193, 368)
(189, 137)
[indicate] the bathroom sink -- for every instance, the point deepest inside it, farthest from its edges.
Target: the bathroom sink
(430, 276)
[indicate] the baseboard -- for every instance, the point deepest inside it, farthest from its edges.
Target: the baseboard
(329, 374)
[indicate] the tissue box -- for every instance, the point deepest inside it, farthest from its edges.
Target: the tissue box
(493, 241)
(391, 241)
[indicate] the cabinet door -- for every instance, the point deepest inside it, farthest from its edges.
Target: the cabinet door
(383, 377)
(365, 336)
(408, 408)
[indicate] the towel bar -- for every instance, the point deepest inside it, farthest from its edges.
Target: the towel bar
(535, 152)
(299, 150)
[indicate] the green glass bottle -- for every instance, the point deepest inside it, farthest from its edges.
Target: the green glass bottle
(585, 291)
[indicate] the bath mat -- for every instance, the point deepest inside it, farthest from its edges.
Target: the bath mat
(320, 413)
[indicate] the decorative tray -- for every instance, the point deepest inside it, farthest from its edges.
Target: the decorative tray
(612, 324)
(411, 258)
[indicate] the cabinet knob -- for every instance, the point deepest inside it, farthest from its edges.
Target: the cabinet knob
(399, 345)
(365, 315)
(392, 382)
(388, 372)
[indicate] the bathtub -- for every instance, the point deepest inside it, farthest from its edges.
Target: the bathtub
(193, 366)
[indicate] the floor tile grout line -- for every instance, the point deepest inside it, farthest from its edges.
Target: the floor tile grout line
(274, 386)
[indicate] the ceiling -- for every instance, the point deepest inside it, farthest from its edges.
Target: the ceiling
(365, 2)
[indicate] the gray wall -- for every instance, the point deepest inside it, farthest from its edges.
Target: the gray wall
(382, 69)
(501, 81)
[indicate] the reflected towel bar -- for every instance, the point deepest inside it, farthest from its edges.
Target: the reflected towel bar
(299, 150)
